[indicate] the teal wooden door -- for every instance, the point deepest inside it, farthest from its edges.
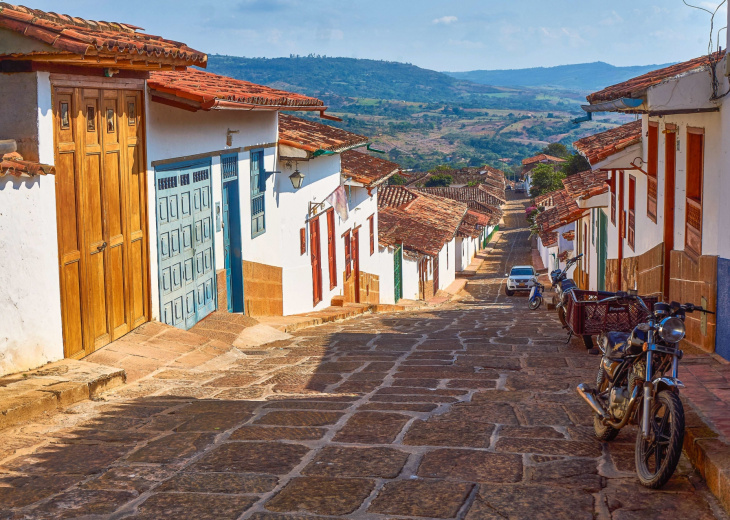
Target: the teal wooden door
(185, 244)
(602, 249)
(232, 233)
(398, 273)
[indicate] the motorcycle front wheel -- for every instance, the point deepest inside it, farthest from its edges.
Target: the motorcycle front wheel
(657, 456)
(535, 303)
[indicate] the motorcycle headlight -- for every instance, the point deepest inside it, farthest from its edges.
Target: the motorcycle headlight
(672, 330)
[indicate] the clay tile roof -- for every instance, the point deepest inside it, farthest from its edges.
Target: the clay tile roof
(313, 136)
(472, 224)
(587, 184)
(366, 169)
(569, 235)
(476, 199)
(541, 157)
(394, 196)
(563, 211)
(549, 239)
(637, 87)
(397, 226)
(13, 164)
(77, 36)
(205, 90)
(421, 222)
(598, 147)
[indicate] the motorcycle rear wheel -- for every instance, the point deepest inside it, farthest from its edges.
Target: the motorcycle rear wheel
(656, 458)
(535, 304)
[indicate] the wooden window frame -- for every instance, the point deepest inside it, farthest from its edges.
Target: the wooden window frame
(303, 241)
(612, 184)
(631, 224)
(347, 237)
(258, 179)
(332, 248)
(652, 169)
(371, 221)
(694, 208)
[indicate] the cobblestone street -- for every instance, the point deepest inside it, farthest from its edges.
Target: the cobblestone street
(463, 411)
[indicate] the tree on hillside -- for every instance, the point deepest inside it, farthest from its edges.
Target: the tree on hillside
(440, 180)
(545, 179)
(397, 180)
(556, 150)
(576, 163)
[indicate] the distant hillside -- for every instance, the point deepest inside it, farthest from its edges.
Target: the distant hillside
(348, 77)
(582, 76)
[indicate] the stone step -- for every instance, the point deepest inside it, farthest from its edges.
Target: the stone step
(27, 395)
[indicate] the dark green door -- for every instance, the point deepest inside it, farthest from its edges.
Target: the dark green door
(602, 249)
(398, 273)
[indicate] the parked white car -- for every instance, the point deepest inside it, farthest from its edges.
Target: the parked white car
(520, 278)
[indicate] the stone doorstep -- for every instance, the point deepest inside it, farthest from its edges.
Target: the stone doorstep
(709, 454)
(57, 385)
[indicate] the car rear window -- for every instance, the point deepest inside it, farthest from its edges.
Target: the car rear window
(522, 272)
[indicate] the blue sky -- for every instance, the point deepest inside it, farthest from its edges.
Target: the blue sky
(437, 34)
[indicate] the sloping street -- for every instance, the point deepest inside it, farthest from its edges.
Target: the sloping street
(462, 411)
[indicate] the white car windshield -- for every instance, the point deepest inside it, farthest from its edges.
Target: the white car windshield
(522, 272)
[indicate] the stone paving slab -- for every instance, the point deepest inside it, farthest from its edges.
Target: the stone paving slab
(465, 411)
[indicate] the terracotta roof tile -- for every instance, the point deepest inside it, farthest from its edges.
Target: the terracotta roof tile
(367, 169)
(598, 147)
(480, 193)
(13, 164)
(396, 226)
(82, 37)
(587, 184)
(394, 196)
(542, 157)
(421, 222)
(563, 211)
(312, 136)
(549, 239)
(205, 90)
(637, 87)
(472, 224)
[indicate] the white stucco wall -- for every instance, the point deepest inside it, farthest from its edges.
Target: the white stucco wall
(386, 270)
(410, 278)
(447, 264)
(30, 298)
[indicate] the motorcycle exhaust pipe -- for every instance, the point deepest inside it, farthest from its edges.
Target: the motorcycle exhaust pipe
(588, 395)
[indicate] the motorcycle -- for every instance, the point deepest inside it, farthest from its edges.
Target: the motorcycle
(535, 296)
(562, 285)
(637, 384)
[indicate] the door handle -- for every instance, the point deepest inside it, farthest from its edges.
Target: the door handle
(102, 247)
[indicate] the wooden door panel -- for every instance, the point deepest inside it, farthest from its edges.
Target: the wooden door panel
(97, 218)
(315, 250)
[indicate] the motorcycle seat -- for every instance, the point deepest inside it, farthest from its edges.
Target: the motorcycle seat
(567, 285)
(617, 342)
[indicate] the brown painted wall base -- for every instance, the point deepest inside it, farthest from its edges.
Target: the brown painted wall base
(263, 291)
(695, 281)
(369, 288)
(644, 272)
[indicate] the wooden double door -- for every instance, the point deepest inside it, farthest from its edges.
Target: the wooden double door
(101, 215)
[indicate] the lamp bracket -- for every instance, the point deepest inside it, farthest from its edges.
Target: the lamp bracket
(313, 207)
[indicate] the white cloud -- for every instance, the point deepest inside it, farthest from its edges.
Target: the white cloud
(446, 20)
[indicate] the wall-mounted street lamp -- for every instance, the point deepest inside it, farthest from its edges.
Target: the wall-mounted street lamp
(296, 179)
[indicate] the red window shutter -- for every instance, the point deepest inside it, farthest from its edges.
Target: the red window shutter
(695, 174)
(348, 255)
(632, 212)
(651, 170)
(303, 241)
(612, 183)
(331, 249)
(372, 234)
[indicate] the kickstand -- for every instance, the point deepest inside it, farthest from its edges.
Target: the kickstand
(570, 336)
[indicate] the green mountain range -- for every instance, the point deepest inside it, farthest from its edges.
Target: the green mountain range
(582, 76)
